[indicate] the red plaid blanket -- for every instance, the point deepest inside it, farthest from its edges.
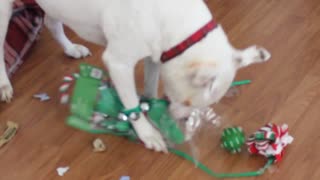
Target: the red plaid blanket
(23, 31)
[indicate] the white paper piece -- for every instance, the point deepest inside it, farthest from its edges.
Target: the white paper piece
(62, 170)
(42, 97)
(125, 178)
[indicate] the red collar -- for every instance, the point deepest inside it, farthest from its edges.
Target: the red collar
(187, 43)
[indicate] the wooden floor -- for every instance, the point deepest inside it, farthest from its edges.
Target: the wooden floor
(284, 90)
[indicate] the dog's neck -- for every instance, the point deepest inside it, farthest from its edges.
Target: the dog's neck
(180, 26)
(193, 39)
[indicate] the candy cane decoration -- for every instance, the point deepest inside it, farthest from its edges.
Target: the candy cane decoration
(64, 88)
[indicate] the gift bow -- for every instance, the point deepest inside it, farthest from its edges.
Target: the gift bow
(270, 141)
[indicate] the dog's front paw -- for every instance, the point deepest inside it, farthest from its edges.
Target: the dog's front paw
(77, 51)
(259, 54)
(251, 55)
(149, 135)
(6, 92)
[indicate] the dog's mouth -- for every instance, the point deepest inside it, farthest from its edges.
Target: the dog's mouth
(180, 111)
(183, 110)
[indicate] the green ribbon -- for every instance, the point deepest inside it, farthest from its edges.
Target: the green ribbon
(239, 83)
(133, 110)
(138, 108)
(222, 175)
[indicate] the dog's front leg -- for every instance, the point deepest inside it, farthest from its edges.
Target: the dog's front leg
(6, 90)
(151, 78)
(72, 50)
(122, 75)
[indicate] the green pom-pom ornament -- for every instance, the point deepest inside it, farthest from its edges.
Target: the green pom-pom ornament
(233, 139)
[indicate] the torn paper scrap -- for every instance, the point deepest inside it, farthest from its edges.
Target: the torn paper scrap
(9, 133)
(125, 178)
(62, 170)
(98, 145)
(42, 96)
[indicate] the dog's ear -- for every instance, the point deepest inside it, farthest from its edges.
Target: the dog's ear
(202, 74)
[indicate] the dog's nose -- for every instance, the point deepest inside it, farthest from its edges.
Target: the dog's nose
(187, 102)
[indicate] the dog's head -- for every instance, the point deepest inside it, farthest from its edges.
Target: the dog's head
(204, 73)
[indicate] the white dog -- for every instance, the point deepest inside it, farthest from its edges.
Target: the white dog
(143, 29)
